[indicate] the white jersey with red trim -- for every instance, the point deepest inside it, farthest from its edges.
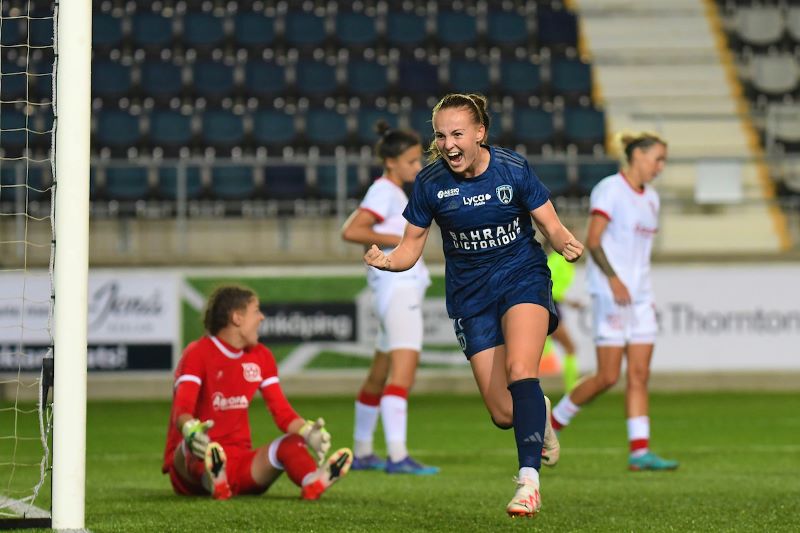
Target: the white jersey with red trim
(628, 238)
(386, 201)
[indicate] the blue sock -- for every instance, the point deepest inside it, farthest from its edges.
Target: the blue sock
(529, 421)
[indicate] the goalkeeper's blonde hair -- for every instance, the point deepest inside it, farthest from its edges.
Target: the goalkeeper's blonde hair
(625, 142)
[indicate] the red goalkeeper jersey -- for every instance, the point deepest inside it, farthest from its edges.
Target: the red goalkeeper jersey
(214, 381)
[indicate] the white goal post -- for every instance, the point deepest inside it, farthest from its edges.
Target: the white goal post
(72, 108)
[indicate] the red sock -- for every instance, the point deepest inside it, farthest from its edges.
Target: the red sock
(555, 423)
(639, 444)
(294, 456)
(367, 398)
(396, 390)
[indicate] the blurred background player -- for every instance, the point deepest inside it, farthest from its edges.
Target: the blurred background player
(562, 273)
(397, 300)
(498, 285)
(624, 220)
(209, 448)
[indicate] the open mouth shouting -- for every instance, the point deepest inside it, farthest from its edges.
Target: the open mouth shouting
(455, 158)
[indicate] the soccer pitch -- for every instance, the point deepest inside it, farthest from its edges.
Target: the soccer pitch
(739, 463)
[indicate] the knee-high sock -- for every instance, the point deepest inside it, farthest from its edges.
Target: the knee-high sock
(289, 453)
(367, 411)
(529, 421)
(394, 413)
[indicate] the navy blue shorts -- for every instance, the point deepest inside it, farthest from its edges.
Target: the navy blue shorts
(484, 330)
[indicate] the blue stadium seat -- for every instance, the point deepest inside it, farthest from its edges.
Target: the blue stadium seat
(520, 79)
(456, 29)
(405, 29)
(232, 182)
(285, 182)
(553, 175)
(304, 30)
(506, 29)
(11, 31)
(14, 84)
(366, 119)
(253, 31)
(590, 174)
(161, 80)
(273, 129)
(110, 80)
(106, 32)
(40, 181)
(326, 128)
(367, 79)
(117, 130)
(419, 120)
(170, 130)
(167, 187)
(585, 128)
(264, 80)
(326, 182)
(557, 29)
(203, 31)
(355, 30)
(316, 80)
(469, 76)
(212, 80)
(26, 180)
(571, 79)
(41, 81)
(40, 31)
(127, 183)
(533, 128)
(40, 123)
(417, 79)
(222, 129)
(152, 32)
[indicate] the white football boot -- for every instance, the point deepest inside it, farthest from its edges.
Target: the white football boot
(551, 449)
(526, 501)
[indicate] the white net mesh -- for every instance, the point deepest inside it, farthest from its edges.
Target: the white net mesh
(27, 62)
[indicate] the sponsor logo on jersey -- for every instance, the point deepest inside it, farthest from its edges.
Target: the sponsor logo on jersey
(447, 193)
(505, 193)
(482, 239)
(252, 372)
(221, 403)
(478, 199)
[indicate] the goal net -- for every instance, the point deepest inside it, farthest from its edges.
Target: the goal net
(27, 63)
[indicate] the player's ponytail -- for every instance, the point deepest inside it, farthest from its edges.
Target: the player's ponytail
(476, 104)
(393, 142)
(626, 142)
(222, 303)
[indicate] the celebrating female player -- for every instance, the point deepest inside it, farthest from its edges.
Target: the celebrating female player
(209, 447)
(398, 305)
(497, 281)
(624, 219)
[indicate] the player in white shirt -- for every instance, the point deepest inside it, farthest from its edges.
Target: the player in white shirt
(624, 221)
(397, 301)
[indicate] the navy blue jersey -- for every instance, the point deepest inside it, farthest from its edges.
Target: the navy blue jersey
(486, 227)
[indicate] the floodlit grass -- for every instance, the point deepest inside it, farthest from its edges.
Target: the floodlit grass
(739, 454)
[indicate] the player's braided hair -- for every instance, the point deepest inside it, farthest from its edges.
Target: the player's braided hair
(627, 142)
(392, 142)
(222, 303)
(474, 103)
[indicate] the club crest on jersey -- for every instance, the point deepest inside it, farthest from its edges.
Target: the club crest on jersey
(252, 372)
(505, 193)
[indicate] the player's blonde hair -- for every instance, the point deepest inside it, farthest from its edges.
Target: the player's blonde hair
(222, 303)
(625, 142)
(476, 104)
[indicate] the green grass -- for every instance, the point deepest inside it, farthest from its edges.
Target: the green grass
(739, 454)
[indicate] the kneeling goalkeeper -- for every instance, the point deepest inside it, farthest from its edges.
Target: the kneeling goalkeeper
(209, 449)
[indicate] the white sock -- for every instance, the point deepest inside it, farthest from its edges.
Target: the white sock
(565, 410)
(366, 420)
(639, 429)
(394, 413)
(529, 473)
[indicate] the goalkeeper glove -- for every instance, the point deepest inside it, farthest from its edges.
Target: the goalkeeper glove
(317, 437)
(195, 433)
